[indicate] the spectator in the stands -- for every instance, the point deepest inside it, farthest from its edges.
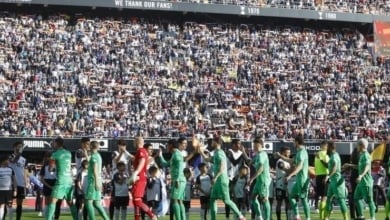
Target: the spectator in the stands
(158, 78)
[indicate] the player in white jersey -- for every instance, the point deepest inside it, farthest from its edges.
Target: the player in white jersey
(7, 184)
(82, 153)
(120, 155)
(282, 168)
(236, 158)
(48, 177)
(17, 162)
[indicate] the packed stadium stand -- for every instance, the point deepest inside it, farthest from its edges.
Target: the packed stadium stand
(351, 6)
(116, 74)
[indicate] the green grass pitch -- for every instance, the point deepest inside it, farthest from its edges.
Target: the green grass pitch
(31, 215)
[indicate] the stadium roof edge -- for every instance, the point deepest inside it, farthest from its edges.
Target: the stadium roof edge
(212, 9)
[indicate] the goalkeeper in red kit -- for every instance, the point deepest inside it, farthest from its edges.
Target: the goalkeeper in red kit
(139, 180)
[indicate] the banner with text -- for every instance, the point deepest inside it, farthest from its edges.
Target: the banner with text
(109, 145)
(206, 6)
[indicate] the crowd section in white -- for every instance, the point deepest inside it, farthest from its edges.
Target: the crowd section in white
(381, 7)
(160, 78)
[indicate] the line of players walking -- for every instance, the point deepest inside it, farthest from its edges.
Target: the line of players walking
(228, 177)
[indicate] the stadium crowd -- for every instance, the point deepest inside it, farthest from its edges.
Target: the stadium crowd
(351, 6)
(110, 77)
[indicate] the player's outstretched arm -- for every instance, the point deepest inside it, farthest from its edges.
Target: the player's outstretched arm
(296, 170)
(204, 156)
(163, 162)
(287, 159)
(349, 166)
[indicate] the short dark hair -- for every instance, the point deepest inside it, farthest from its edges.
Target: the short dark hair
(121, 142)
(235, 141)
(284, 148)
(17, 143)
(258, 140)
(84, 163)
(147, 146)
(85, 139)
(299, 140)
(324, 142)
(3, 158)
(120, 164)
(59, 141)
(174, 143)
(152, 169)
(181, 139)
(201, 165)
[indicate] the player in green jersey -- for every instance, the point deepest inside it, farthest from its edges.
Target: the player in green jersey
(176, 164)
(94, 189)
(263, 181)
(364, 188)
(63, 188)
(220, 188)
(300, 171)
(336, 187)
